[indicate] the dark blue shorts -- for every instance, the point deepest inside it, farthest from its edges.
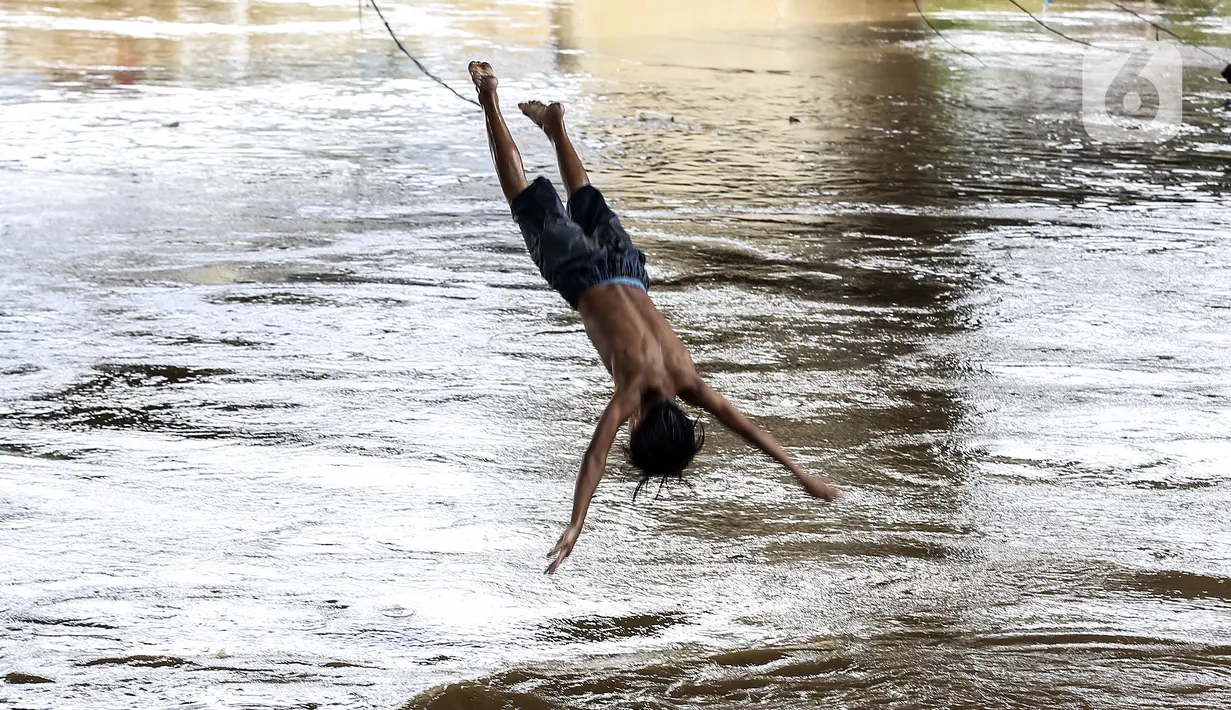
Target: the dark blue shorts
(583, 247)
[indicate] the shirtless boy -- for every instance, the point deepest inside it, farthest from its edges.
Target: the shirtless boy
(588, 258)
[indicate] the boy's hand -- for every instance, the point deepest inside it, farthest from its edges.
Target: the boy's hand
(704, 396)
(563, 547)
(817, 487)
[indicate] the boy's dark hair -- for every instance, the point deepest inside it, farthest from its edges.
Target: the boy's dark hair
(664, 443)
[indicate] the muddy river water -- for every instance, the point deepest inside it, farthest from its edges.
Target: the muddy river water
(288, 419)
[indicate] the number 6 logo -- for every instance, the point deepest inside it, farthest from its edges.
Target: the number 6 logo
(1133, 97)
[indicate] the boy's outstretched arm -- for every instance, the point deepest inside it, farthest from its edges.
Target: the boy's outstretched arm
(620, 408)
(704, 396)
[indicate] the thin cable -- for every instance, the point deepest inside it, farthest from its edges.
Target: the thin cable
(946, 39)
(418, 63)
(1160, 28)
(1053, 30)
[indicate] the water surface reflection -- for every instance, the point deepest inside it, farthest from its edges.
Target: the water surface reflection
(288, 420)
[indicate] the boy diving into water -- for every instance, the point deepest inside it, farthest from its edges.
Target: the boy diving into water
(589, 259)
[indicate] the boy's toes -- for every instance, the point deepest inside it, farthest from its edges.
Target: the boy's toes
(542, 114)
(483, 76)
(534, 111)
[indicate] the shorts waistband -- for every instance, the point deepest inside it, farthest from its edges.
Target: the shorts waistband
(626, 280)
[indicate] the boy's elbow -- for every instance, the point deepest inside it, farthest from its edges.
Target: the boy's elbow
(593, 462)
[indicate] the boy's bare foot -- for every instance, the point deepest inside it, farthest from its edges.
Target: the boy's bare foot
(484, 78)
(546, 117)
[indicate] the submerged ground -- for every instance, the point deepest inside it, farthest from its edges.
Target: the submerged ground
(288, 420)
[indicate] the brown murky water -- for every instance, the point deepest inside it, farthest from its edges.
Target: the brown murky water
(287, 419)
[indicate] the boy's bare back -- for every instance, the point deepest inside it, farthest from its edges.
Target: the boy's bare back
(634, 340)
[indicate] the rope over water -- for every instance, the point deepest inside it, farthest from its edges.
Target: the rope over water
(1053, 30)
(1183, 40)
(418, 63)
(1226, 72)
(935, 29)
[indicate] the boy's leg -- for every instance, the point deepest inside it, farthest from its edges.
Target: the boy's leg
(586, 205)
(556, 243)
(551, 119)
(504, 151)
